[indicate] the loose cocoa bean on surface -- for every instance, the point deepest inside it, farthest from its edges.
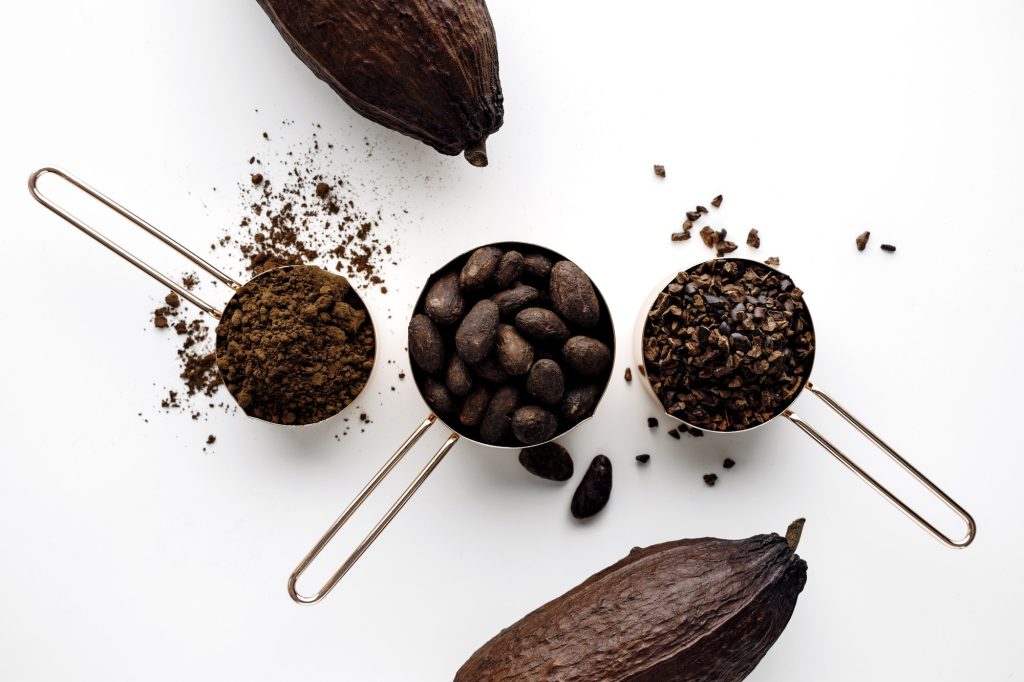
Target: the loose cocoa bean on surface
(542, 325)
(587, 356)
(509, 268)
(444, 303)
(532, 425)
(497, 421)
(477, 332)
(573, 294)
(546, 382)
(594, 490)
(425, 344)
(550, 461)
(514, 353)
(458, 377)
(480, 268)
(511, 301)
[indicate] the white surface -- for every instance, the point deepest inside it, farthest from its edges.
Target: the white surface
(129, 553)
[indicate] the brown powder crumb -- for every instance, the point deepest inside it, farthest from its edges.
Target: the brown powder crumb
(257, 179)
(753, 239)
(190, 281)
(172, 300)
(659, 170)
(862, 239)
(211, 439)
(322, 189)
(717, 201)
(159, 321)
(629, 375)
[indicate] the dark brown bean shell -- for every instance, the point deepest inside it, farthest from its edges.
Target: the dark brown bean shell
(541, 324)
(550, 461)
(579, 403)
(477, 332)
(546, 382)
(509, 268)
(594, 490)
(480, 268)
(537, 265)
(587, 356)
(474, 406)
(573, 295)
(497, 422)
(437, 396)
(458, 377)
(512, 300)
(514, 353)
(444, 303)
(425, 344)
(532, 425)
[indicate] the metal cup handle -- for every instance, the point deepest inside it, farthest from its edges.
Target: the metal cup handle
(878, 487)
(33, 182)
(358, 501)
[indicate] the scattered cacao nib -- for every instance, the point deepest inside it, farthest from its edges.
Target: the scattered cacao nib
(659, 170)
(753, 239)
(159, 321)
(888, 247)
(674, 433)
(652, 422)
(681, 236)
(693, 216)
(641, 370)
(710, 479)
(643, 459)
(701, 209)
(728, 463)
(717, 201)
(709, 236)
(594, 490)
(322, 189)
(550, 461)
(696, 433)
(687, 225)
(772, 260)
(211, 439)
(725, 247)
(862, 239)
(628, 375)
(172, 300)
(257, 179)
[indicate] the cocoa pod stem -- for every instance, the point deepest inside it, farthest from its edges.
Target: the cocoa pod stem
(793, 534)
(477, 154)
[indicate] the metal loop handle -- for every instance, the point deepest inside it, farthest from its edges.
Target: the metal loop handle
(33, 181)
(878, 487)
(358, 501)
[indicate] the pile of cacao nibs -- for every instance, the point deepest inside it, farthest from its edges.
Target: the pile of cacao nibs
(511, 345)
(728, 344)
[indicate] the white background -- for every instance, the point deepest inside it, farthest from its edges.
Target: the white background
(127, 552)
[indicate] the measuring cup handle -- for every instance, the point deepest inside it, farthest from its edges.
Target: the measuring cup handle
(33, 188)
(895, 456)
(358, 501)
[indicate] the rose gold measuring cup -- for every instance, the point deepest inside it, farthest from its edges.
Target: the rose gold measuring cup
(181, 291)
(787, 413)
(605, 328)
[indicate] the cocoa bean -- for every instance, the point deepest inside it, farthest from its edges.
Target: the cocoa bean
(458, 377)
(509, 268)
(489, 370)
(514, 353)
(437, 396)
(532, 425)
(444, 303)
(541, 324)
(474, 406)
(480, 268)
(546, 382)
(587, 356)
(579, 403)
(425, 344)
(537, 265)
(573, 295)
(512, 300)
(477, 332)
(594, 490)
(497, 421)
(550, 461)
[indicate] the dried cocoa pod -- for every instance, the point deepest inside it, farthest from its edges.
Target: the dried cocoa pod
(704, 610)
(426, 68)
(458, 377)
(550, 461)
(541, 324)
(579, 403)
(594, 490)
(425, 344)
(444, 303)
(512, 300)
(532, 425)
(509, 268)
(545, 382)
(587, 356)
(480, 268)
(474, 406)
(514, 353)
(573, 295)
(537, 266)
(477, 332)
(437, 396)
(497, 421)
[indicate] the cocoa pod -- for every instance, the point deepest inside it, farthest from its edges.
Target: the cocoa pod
(477, 332)
(509, 267)
(512, 300)
(480, 268)
(594, 490)
(426, 68)
(532, 425)
(514, 353)
(425, 344)
(541, 324)
(573, 295)
(444, 303)
(704, 610)
(550, 461)
(458, 377)
(587, 356)
(497, 421)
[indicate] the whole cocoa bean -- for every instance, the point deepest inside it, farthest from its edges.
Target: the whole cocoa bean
(480, 268)
(537, 266)
(587, 356)
(545, 382)
(477, 332)
(579, 403)
(594, 490)
(497, 421)
(573, 295)
(444, 303)
(550, 461)
(532, 425)
(437, 396)
(509, 268)
(541, 324)
(514, 353)
(458, 377)
(425, 344)
(512, 300)
(474, 406)
(489, 370)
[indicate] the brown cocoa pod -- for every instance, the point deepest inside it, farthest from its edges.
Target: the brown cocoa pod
(594, 490)
(428, 69)
(458, 377)
(541, 324)
(573, 295)
(477, 332)
(509, 268)
(545, 382)
(480, 268)
(537, 266)
(474, 406)
(587, 356)
(512, 300)
(489, 370)
(437, 396)
(497, 422)
(579, 403)
(704, 610)
(532, 425)
(425, 344)
(444, 303)
(514, 353)
(550, 461)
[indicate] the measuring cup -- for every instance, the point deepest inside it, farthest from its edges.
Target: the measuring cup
(605, 328)
(181, 291)
(785, 412)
